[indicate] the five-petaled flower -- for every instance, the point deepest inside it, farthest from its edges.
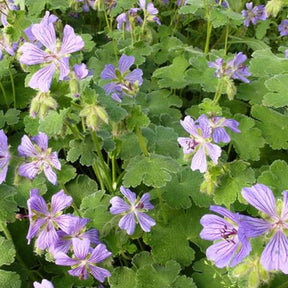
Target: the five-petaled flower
(85, 259)
(199, 142)
(275, 254)
(231, 245)
(135, 209)
(56, 56)
(123, 82)
(40, 158)
(46, 219)
(254, 14)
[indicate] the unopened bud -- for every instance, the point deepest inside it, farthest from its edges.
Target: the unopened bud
(231, 89)
(41, 104)
(74, 87)
(273, 7)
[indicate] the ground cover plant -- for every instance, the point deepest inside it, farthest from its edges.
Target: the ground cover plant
(143, 143)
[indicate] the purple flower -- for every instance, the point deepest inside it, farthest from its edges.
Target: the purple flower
(232, 245)
(275, 254)
(254, 14)
(87, 4)
(133, 212)
(46, 219)
(223, 3)
(40, 158)
(64, 242)
(181, 2)
(237, 69)
(219, 66)
(55, 56)
(128, 18)
(219, 133)
(44, 284)
(4, 156)
(5, 45)
(5, 10)
(286, 53)
(123, 82)
(283, 28)
(150, 13)
(199, 143)
(85, 259)
(81, 71)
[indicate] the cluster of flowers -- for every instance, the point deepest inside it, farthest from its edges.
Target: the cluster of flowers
(234, 68)
(232, 235)
(202, 132)
(65, 236)
(127, 19)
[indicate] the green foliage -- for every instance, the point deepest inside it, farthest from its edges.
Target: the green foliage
(9, 279)
(123, 277)
(154, 170)
(11, 117)
(7, 251)
(8, 206)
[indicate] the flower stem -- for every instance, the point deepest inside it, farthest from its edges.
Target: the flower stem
(13, 86)
(4, 94)
(159, 194)
(209, 28)
(141, 141)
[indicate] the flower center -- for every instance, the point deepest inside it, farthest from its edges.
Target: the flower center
(228, 233)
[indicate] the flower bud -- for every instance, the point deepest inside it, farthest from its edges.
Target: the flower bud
(74, 87)
(231, 89)
(273, 7)
(41, 104)
(92, 113)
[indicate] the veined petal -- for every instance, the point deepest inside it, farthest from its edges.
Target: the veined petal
(222, 252)
(60, 201)
(31, 55)
(37, 204)
(34, 228)
(50, 174)
(188, 144)
(45, 33)
(262, 198)
(284, 212)
(189, 125)
(64, 67)
(125, 62)
(29, 170)
(99, 254)
(71, 43)
(66, 222)
(214, 151)
(108, 72)
(99, 273)
(26, 148)
(213, 226)
(119, 206)
(135, 75)
(128, 223)
(145, 200)
(220, 135)
(79, 271)
(53, 159)
(92, 236)
(3, 171)
(64, 260)
(131, 196)
(145, 221)
(199, 160)
(224, 212)
(81, 248)
(47, 237)
(41, 140)
(243, 252)
(275, 254)
(42, 79)
(253, 227)
(44, 284)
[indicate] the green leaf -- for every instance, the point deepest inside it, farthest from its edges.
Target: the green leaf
(155, 276)
(53, 123)
(81, 187)
(141, 259)
(35, 7)
(275, 177)
(191, 7)
(8, 206)
(183, 188)
(95, 207)
(265, 63)
(137, 119)
(183, 281)
(129, 146)
(66, 173)
(9, 279)
(231, 184)
(247, 143)
(206, 272)
(83, 149)
(172, 76)
(154, 170)
(278, 95)
(163, 140)
(31, 125)
(273, 126)
(12, 116)
(170, 241)
(7, 251)
(123, 277)
(252, 43)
